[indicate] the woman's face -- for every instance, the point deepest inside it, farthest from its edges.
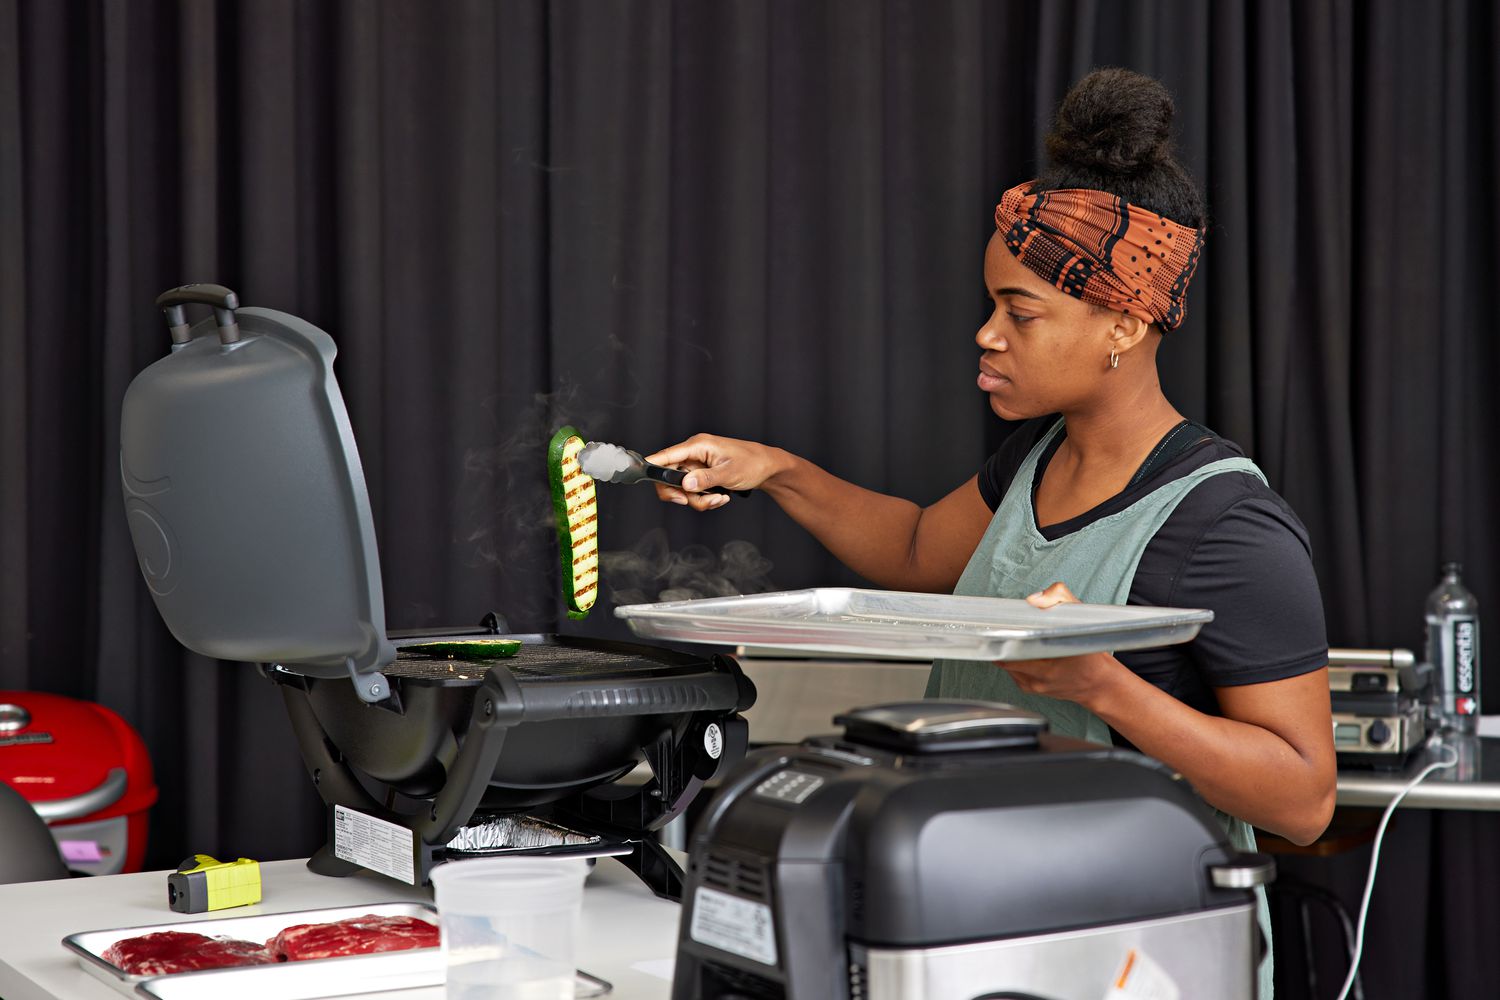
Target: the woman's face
(1044, 351)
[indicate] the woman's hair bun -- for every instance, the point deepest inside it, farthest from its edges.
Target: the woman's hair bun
(1113, 121)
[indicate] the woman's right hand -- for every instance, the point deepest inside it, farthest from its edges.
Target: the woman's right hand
(716, 461)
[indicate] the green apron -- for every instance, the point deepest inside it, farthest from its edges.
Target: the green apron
(1098, 563)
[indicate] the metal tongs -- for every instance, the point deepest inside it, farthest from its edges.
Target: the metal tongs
(609, 463)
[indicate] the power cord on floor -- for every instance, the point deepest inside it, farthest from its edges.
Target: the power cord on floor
(1450, 760)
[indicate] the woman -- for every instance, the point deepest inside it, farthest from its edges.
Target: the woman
(1105, 493)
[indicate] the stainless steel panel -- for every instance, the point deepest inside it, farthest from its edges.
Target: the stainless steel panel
(1403, 732)
(797, 698)
(876, 622)
(1211, 954)
(326, 977)
(334, 977)
(1244, 875)
(1397, 658)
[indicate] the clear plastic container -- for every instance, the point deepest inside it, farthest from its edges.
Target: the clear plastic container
(509, 926)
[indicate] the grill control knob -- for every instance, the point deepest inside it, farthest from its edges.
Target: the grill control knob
(13, 718)
(1379, 733)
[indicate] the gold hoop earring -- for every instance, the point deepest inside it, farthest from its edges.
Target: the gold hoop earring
(1114, 359)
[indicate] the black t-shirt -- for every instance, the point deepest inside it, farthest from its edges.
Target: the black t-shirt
(1232, 546)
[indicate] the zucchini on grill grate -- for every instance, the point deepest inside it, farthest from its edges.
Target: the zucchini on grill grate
(577, 513)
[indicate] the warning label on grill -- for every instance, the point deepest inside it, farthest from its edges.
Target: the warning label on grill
(738, 926)
(1141, 978)
(374, 844)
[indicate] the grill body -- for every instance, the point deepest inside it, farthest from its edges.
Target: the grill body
(253, 529)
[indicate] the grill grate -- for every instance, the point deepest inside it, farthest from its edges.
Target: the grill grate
(538, 661)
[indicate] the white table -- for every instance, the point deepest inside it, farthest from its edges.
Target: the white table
(1473, 784)
(624, 926)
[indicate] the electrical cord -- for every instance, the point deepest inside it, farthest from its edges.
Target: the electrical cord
(1385, 819)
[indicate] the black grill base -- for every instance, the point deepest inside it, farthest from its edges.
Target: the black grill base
(572, 716)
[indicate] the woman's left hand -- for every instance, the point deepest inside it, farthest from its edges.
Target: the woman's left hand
(1079, 679)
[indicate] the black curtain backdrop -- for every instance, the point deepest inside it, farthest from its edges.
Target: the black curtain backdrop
(760, 219)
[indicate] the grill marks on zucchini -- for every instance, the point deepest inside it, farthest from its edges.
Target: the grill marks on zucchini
(577, 511)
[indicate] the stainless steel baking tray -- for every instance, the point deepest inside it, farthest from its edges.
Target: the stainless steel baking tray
(929, 626)
(303, 980)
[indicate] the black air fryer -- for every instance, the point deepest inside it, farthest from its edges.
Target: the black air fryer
(252, 525)
(956, 851)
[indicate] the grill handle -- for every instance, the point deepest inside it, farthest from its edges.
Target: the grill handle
(1398, 658)
(223, 301)
(708, 691)
(91, 801)
(1247, 871)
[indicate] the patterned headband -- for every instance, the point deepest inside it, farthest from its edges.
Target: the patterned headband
(1097, 247)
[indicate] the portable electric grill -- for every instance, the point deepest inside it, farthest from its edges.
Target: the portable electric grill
(252, 525)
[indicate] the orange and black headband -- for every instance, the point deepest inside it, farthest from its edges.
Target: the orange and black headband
(1100, 248)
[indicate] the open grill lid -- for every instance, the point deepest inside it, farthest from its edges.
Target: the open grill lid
(246, 498)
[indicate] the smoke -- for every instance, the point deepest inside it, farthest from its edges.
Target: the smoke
(651, 571)
(504, 495)
(505, 517)
(505, 501)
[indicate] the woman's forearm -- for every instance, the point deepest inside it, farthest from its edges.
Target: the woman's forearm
(875, 535)
(1238, 767)
(889, 541)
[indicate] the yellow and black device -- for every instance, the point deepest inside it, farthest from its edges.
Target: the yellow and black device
(203, 883)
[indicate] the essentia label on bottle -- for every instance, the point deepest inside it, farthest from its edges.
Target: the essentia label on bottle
(1465, 659)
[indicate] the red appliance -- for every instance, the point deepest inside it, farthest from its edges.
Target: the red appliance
(85, 772)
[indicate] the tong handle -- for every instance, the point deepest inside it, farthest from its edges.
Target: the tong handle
(223, 301)
(674, 477)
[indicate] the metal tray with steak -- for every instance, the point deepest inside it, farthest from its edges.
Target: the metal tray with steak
(330, 977)
(309, 934)
(241, 942)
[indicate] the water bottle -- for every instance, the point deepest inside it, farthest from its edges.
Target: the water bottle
(1453, 651)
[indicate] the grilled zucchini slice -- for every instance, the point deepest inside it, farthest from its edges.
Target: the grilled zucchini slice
(577, 513)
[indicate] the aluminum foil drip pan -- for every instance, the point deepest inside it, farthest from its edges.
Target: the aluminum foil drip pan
(512, 833)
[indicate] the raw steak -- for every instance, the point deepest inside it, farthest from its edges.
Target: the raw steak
(165, 952)
(355, 936)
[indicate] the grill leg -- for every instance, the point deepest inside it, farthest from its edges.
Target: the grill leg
(658, 869)
(324, 863)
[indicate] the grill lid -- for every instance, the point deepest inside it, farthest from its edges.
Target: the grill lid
(246, 498)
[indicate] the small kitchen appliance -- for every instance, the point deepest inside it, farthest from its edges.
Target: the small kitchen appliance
(1379, 719)
(86, 773)
(957, 851)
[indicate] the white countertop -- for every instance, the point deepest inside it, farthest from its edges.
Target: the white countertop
(626, 934)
